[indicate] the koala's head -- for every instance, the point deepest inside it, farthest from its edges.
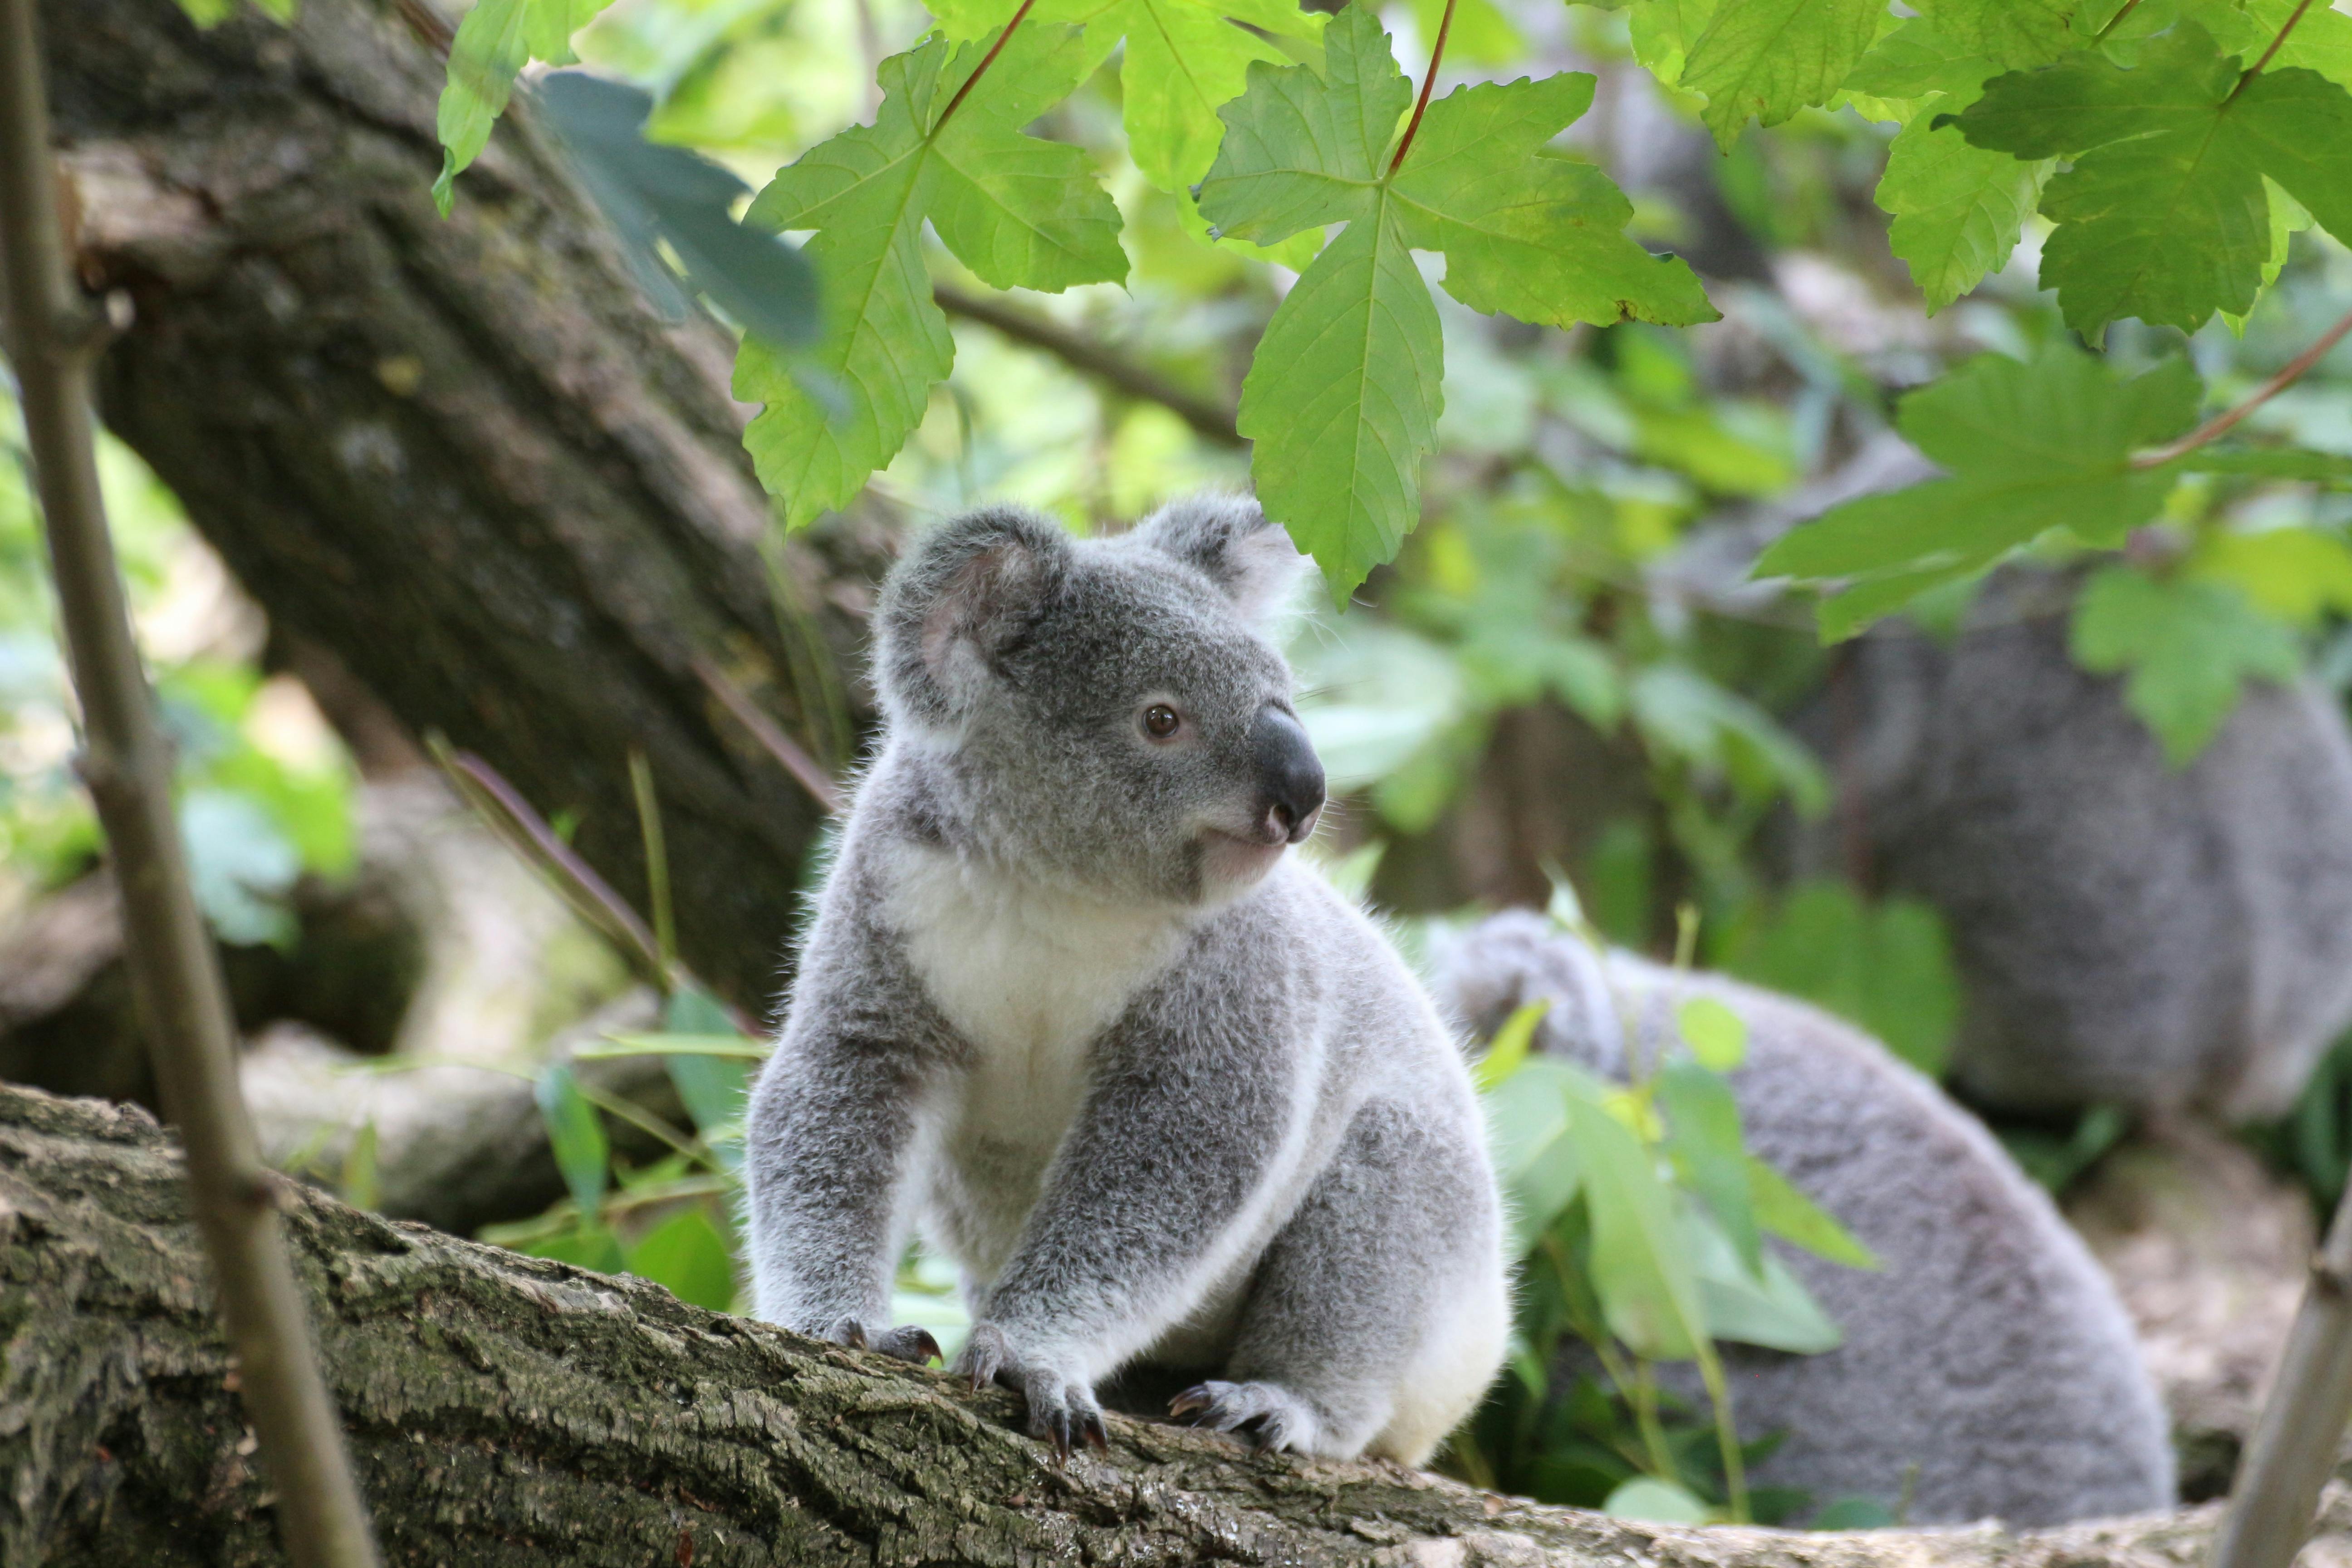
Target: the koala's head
(1106, 714)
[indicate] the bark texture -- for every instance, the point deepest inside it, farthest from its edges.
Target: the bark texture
(464, 456)
(507, 1410)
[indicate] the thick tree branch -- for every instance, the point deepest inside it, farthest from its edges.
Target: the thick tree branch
(508, 1410)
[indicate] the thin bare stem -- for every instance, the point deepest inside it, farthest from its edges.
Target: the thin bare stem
(504, 807)
(774, 740)
(2115, 21)
(2285, 28)
(989, 60)
(2228, 419)
(649, 825)
(175, 968)
(2293, 1450)
(1210, 418)
(1428, 81)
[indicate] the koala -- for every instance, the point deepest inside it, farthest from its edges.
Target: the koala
(2126, 930)
(1987, 1368)
(1069, 1009)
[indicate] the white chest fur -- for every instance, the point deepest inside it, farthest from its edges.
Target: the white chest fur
(1028, 975)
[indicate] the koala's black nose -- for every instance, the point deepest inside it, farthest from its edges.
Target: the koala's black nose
(1290, 775)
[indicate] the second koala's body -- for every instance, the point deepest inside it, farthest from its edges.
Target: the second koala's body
(1159, 1091)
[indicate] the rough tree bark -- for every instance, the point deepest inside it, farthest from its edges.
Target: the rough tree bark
(508, 1410)
(464, 456)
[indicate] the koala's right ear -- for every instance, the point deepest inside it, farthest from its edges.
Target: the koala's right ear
(956, 601)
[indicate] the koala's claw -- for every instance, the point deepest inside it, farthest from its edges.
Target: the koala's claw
(1280, 1419)
(1062, 1407)
(908, 1343)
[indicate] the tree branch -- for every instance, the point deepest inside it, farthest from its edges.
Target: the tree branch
(126, 761)
(2228, 419)
(1212, 420)
(512, 1410)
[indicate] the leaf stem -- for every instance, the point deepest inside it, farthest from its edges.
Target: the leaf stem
(2115, 21)
(2223, 423)
(997, 48)
(1429, 81)
(2288, 27)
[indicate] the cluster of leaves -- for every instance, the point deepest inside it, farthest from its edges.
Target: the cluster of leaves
(1640, 1218)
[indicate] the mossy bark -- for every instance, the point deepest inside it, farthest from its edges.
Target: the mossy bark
(508, 1410)
(464, 454)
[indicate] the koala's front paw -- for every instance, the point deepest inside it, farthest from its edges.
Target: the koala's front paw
(908, 1343)
(1062, 1405)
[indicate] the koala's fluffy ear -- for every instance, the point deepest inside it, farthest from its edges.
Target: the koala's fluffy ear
(1229, 540)
(951, 607)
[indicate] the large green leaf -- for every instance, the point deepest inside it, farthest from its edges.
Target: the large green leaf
(686, 1255)
(1957, 208)
(1765, 59)
(1343, 395)
(1537, 237)
(2188, 645)
(1016, 210)
(1702, 1140)
(2164, 214)
(2013, 34)
(2030, 448)
(576, 1133)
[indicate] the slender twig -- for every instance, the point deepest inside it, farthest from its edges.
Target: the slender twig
(2115, 21)
(175, 969)
(1208, 417)
(649, 825)
(2285, 28)
(980, 70)
(501, 804)
(2225, 422)
(779, 746)
(1428, 81)
(2292, 1451)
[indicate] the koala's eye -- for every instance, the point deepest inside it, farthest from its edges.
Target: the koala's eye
(1159, 721)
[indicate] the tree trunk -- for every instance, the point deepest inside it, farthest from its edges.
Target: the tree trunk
(508, 1410)
(465, 455)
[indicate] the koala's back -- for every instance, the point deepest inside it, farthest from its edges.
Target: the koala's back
(2126, 930)
(1988, 1350)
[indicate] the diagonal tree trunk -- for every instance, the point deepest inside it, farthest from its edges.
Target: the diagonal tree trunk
(464, 454)
(507, 1410)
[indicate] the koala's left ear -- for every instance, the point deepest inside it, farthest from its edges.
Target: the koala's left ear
(1228, 539)
(965, 593)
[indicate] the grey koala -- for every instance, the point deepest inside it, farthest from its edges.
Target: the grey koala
(1988, 1350)
(1066, 1005)
(2127, 930)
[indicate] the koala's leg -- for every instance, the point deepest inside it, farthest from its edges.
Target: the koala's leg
(1379, 1314)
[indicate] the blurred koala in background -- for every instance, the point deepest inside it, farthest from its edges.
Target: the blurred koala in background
(1987, 1368)
(2128, 931)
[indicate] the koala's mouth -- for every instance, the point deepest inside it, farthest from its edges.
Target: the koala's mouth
(1229, 857)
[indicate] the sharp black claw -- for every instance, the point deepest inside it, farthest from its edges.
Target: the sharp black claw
(979, 1377)
(1060, 1424)
(1192, 1399)
(924, 1349)
(852, 1334)
(1096, 1434)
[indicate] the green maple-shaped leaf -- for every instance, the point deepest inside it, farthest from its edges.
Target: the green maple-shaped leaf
(1185, 58)
(2027, 447)
(1766, 59)
(2164, 214)
(2189, 645)
(1343, 394)
(2015, 35)
(1957, 209)
(493, 43)
(1019, 212)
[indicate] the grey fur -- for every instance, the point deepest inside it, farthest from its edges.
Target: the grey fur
(1069, 1007)
(1989, 1351)
(2125, 930)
